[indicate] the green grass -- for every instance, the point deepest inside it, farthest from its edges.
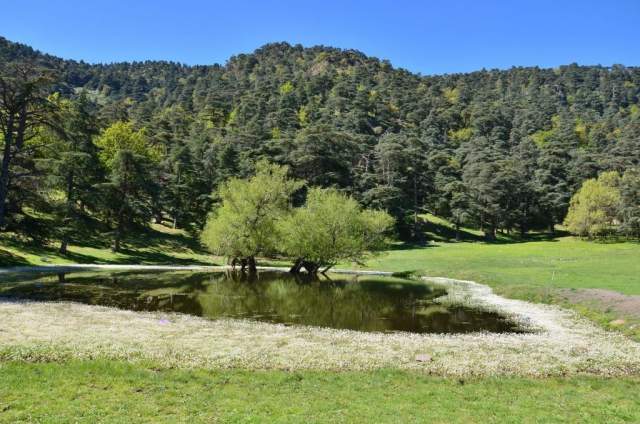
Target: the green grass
(565, 262)
(99, 391)
(156, 245)
(533, 269)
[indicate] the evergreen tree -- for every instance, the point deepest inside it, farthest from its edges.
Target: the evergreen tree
(630, 202)
(72, 167)
(126, 196)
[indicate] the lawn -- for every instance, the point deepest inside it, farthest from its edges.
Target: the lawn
(99, 390)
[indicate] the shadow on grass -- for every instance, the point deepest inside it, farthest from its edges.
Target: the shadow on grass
(143, 246)
(9, 259)
(439, 232)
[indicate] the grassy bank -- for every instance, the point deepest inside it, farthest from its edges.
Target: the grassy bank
(103, 391)
(156, 245)
(538, 271)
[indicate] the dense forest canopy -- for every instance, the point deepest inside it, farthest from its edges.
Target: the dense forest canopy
(495, 149)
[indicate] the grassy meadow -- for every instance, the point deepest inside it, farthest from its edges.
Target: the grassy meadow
(539, 269)
(99, 391)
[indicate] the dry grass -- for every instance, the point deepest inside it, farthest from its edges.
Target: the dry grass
(562, 344)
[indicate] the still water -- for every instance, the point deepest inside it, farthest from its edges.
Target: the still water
(364, 303)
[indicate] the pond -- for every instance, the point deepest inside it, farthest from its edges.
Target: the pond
(364, 303)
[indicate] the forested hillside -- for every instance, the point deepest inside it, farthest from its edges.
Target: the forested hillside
(496, 150)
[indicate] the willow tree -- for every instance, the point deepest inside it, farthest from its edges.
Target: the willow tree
(331, 227)
(245, 223)
(594, 208)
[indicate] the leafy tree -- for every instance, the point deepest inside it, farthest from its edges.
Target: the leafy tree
(458, 204)
(552, 182)
(122, 136)
(244, 224)
(485, 190)
(329, 228)
(401, 180)
(594, 208)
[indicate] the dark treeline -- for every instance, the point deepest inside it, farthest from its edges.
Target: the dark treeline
(496, 150)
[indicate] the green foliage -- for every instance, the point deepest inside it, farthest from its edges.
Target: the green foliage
(542, 136)
(630, 202)
(332, 227)
(71, 165)
(404, 143)
(461, 135)
(244, 223)
(451, 94)
(122, 136)
(594, 208)
(286, 88)
(126, 196)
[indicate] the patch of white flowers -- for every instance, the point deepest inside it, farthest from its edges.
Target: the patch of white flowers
(557, 343)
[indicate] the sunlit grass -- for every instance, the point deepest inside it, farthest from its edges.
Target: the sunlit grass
(100, 391)
(565, 262)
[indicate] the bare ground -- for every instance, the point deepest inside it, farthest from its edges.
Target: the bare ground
(606, 300)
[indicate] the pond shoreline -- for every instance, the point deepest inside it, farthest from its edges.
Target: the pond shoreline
(560, 343)
(129, 267)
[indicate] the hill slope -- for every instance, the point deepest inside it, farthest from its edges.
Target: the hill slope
(495, 149)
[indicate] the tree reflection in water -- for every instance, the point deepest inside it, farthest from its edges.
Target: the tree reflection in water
(363, 303)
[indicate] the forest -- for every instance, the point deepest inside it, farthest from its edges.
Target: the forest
(107, 148)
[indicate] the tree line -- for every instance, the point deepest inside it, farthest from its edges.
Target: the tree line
(108, 148)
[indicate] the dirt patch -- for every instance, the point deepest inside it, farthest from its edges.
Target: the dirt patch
(606, 300)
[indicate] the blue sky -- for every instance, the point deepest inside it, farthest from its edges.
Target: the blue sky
(430, 37)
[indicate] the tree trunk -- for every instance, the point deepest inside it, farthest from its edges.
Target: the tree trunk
(490, 234)
(311, 267)
(118, 237)
(251, 264)
(296, 267)
(4, 171)
(63, 245)
(116, 244)
(457, 231)
(69, 215)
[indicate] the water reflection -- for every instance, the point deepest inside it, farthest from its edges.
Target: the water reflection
(359, 303)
